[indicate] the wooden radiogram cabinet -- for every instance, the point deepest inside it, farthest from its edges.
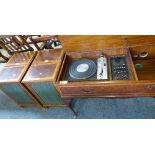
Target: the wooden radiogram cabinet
(141, 63)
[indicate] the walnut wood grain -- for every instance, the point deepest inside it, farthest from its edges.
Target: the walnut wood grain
(24, 58)
(49, 56)
(97, 42)
(147, 72)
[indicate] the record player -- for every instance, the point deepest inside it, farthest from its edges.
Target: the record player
(84, 69)
(95, 69)
(97, 66)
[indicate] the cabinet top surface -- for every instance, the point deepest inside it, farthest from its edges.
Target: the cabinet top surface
(48, 56)
(11, 74)
(43, 72)
(21, 58)
(97, 42)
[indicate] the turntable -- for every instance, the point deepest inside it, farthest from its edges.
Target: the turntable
(84, 69)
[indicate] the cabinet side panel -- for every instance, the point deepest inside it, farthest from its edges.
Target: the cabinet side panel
(47, 92)
(17, 93)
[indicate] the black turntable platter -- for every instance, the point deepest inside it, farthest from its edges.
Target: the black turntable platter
(82, 69)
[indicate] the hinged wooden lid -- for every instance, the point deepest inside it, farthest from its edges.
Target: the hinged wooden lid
(99, 42)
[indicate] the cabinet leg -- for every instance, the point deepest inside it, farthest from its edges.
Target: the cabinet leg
(20, 105)
(67, 101)
(72, 109)
(45, 108)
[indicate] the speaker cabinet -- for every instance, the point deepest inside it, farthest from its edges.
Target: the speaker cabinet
(41, 76)
(11, 76)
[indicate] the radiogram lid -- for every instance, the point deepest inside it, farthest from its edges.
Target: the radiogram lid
(12, 74)
(91, 42)
(41, 73)
(48, 56)
(21, 58)
(99, 42)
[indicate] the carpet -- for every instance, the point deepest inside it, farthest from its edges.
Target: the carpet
(96, 108)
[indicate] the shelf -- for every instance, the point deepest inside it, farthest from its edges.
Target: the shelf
(145, 69)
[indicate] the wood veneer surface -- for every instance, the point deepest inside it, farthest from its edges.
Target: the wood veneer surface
(95, 42)
(21, 58)
(11, 74)
(147, 72)
(40, 72)
(48, 56)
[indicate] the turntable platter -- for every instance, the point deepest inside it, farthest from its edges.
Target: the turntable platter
(82, 69)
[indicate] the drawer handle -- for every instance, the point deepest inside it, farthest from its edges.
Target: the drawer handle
(87, 91)
(150, 87)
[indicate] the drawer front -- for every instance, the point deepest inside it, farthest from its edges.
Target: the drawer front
(108, 89)
(16, 92)
(46, 93)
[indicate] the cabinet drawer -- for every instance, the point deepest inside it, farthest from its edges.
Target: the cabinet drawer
(107, 89)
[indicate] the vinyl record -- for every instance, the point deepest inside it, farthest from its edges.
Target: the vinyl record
(82, 69)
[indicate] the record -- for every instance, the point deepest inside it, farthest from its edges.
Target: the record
(82, 69)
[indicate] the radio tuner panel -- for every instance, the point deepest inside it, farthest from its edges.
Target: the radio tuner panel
(119, 67)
